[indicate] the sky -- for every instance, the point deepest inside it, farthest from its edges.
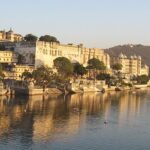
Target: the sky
(95, 23)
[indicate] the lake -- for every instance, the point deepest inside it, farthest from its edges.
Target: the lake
(90, 121)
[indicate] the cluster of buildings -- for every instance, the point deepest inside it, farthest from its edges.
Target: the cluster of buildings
(43, 53)
(132, 65)
(34, 54)
(10, 36)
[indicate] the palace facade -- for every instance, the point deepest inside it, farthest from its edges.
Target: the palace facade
(46, 52)
(132, 65)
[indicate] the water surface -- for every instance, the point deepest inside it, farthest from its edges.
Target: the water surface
(76, 122)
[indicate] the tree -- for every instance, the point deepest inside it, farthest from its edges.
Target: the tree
(79, 69)
(1, 68)
(48, 38)
(95, 63)
(117, 66)
(63, 66)
(1, 72)
(31, 38)
(26, 75)
(42, 75)
(143, 79)
(103, 76)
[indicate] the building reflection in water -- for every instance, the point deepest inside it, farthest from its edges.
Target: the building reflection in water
(38, 118)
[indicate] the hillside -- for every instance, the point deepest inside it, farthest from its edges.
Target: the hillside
(139, 50)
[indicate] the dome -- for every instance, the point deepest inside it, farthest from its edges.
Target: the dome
(121, 55)
(125, 56)
(139, 57)
(131, 57)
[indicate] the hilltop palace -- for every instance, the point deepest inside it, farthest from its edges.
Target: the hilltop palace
(33, 55)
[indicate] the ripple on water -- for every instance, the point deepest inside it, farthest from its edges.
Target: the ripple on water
(53, 123)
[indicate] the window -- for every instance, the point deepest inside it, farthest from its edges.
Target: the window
(55, 52)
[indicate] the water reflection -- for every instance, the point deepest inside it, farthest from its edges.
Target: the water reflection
(37, 118)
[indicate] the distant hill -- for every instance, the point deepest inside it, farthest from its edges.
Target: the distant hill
(139, 50)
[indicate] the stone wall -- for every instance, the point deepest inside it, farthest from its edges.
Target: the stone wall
(27, 50)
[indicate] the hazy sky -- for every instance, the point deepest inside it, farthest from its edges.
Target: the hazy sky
(95, 23)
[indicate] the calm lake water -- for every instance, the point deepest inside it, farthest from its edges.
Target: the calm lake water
(76, 122)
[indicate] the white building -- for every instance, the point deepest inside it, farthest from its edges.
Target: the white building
(8, 57)
(43, 53)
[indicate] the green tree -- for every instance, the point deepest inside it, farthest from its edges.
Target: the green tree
(79, 69)
(63, 66)
(31, 38)
(117, 66)
(42, 75)
(95, 63)
(48, 38)
(143, 79)
(103, 76)
(26, 75)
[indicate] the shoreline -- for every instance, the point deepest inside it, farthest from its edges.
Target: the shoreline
(31, 91)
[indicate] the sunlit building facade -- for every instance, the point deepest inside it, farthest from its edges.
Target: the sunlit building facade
(8, 57)
(16, 71)
(45, 52)
(10, 36)
(131, 65)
